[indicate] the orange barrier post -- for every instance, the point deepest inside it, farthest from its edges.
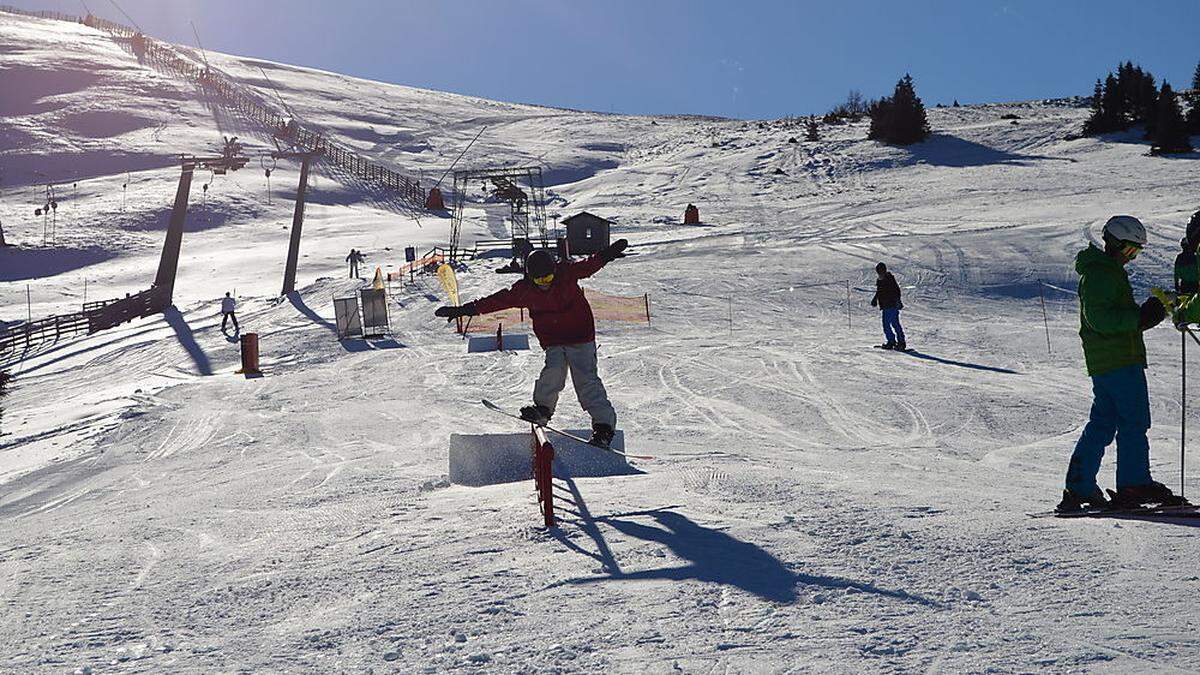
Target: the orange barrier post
(250, 354)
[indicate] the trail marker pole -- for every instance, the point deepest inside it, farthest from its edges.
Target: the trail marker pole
(848, 324)
(1045, 319)
(28, 305)
(1182, 408)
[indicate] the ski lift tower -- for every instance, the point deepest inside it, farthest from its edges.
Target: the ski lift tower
(230, 159)
(520, 187)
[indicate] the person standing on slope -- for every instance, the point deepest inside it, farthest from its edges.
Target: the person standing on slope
(566, 329)
(228, 306)
(887, 299)
(1187, 275)
(1111, 324)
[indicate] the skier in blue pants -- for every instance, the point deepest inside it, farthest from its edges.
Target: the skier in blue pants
(887, 299)
(1111, 327)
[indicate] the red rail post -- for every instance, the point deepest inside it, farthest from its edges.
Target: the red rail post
(543, 474)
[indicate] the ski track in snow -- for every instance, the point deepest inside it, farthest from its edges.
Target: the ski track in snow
(816, 505)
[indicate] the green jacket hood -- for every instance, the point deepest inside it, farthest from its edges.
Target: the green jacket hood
(1094, 256)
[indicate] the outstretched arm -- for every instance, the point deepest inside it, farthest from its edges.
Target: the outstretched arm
(587, 268)
(503, 299)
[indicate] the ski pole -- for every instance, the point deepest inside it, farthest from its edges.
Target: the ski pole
(1182, 408)
(1045, 320)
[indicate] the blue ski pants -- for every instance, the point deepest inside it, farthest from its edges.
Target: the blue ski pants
(892, 330)
(1120, 409)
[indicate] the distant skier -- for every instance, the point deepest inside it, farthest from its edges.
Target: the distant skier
(355, 258)
(1187, 276)
(566, 329)
(228, 306)
(1111, 327)
(887, 299)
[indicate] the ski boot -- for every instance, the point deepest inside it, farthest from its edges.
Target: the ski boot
(602, 435)
(1150, 494)
(537, 414)
(1074, 502)
(902, 346)
(889, 345)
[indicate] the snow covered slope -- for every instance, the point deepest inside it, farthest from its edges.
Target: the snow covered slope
(818, 505)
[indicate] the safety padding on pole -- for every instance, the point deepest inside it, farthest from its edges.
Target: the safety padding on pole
(250, 355)
(434, 201)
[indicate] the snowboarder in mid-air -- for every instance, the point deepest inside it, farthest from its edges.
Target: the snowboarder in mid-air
(887, 299)
(228, 306)
(566, 329)
(1111, 327)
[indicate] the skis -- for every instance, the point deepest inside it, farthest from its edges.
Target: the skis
(886, 349)
(492, 406)
(1159, 511)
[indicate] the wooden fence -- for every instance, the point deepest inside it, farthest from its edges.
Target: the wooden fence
(95, 317)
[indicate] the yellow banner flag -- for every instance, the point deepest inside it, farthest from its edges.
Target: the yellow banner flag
(449, 282)
(378, 283)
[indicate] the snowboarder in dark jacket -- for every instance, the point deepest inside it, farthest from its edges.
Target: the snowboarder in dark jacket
(566, 330)
(887, 299)
(1111, 327)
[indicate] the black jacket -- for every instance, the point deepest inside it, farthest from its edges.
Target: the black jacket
(887, 292)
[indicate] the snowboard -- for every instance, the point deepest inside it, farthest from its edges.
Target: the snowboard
(492, 406)
(910, 350)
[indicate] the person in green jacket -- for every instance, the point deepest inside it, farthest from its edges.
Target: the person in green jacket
(1111, 324)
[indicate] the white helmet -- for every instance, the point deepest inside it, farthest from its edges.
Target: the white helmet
(1126, 228)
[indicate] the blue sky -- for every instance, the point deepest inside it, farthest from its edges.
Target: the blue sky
(753, 59)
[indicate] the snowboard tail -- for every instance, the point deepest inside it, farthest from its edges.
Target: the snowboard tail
(492, 406)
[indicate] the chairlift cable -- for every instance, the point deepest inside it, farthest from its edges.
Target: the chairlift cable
(460, 156)
(129, 18)
(203, 55)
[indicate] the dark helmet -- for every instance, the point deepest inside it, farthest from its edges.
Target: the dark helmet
(881, 268)
(540, 263)
(1193, 228)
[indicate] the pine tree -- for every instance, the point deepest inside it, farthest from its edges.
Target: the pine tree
(899, 119)
(1170, 129)
(1193, 100)
(811, 131)
(1095, 122)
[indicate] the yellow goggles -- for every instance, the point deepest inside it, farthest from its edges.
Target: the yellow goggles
(1131, 250)
(544, 280)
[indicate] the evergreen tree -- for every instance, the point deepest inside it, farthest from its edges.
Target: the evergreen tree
(1096, 120)
(1170, 129)
(1193, 100)
(811, 131)
(899, 119)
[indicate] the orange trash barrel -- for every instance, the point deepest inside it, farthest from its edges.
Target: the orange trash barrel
(250, 353)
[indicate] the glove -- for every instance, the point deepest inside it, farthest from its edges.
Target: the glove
(1151, 314)
(874, 302)
(451, 312)
(614, 250)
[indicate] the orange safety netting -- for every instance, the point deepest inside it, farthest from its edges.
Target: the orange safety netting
(434, 259)
(632, 309)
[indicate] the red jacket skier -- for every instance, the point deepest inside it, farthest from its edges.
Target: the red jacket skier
(566, 329)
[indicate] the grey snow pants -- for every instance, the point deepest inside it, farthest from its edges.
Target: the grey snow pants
(581, 361)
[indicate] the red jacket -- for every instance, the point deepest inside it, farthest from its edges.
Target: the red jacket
(561, 314)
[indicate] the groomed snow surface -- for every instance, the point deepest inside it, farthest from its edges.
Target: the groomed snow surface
(815, 505)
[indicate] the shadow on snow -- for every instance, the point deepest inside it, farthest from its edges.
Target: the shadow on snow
(713, 556)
